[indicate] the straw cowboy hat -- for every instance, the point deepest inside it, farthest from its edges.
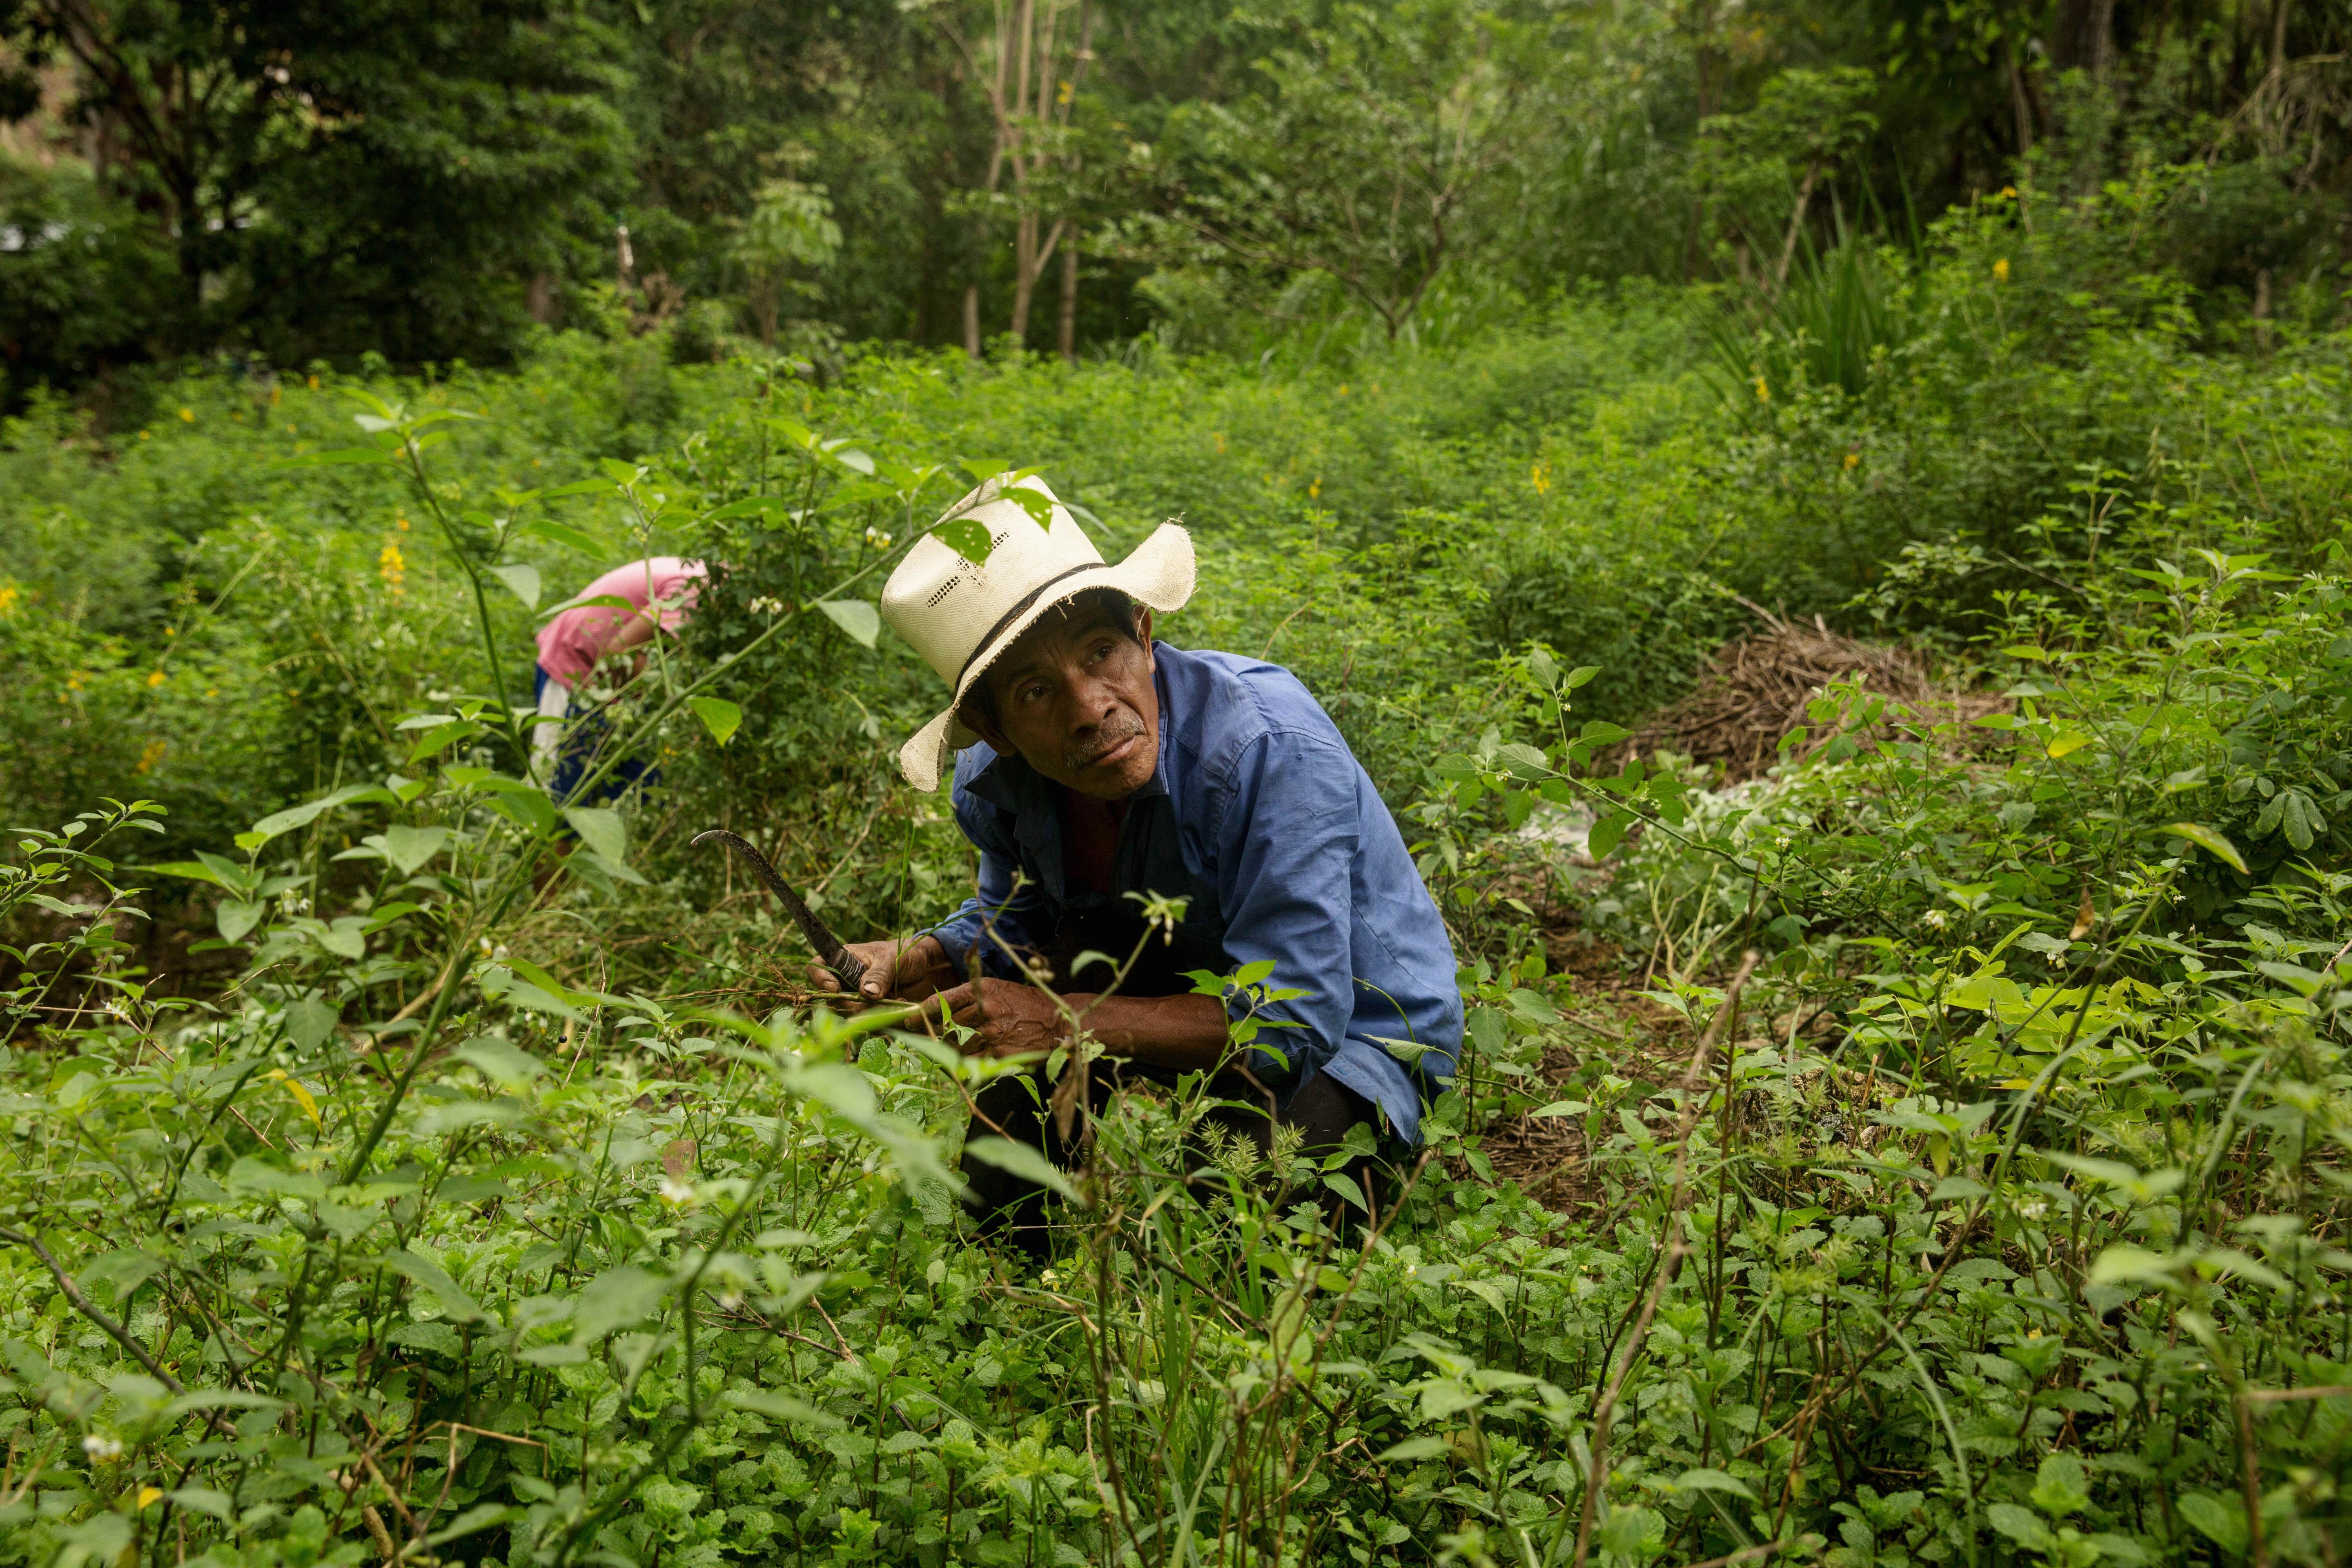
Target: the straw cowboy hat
(961, 617)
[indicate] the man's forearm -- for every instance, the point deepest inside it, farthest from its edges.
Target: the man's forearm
(1183, 1033)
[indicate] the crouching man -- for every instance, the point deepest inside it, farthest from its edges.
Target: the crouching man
(1091, 764)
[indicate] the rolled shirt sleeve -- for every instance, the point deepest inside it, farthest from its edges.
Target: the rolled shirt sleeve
(1019, 918)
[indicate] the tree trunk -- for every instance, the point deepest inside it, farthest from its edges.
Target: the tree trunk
(2100, 47)
(1025, 276)
(1796, 227)
(1067, 333)
(972, 320)
(2020, 107)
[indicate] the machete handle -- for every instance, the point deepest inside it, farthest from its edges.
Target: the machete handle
(845, 965)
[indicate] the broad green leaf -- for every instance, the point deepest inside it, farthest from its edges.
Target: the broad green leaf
(2120, 1264)
(858, 618)
(521, 581)
(2220, 1519)
(302, 816)
(618, 1299)
(2211, 841)
(410, 847)
(600, 829)
(1607, 834)
(1021, 1159)
(1413, 1448)
(563, 533)
(501, 1061)
(1709, 1480)
(719, 716)
(2021, 1525)
(309, 1022)
(1345, 1185)
(236, 917)
(779, 1407)
(191, 869)
(968, 537)
(474, 1521)
(454, 1300)
(441, 737)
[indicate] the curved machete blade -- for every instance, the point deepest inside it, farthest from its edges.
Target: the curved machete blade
(829, 951)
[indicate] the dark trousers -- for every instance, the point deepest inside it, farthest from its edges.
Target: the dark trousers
(1019, 1108)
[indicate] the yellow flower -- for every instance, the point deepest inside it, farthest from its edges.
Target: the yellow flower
(314, 384)
(401, 523)
(149, 1496)
(2000, 270)
(2009, 191)
(1315, 487)
(144, 435)
(75, 678)
(1852, 460)
(1763, 390)
(152, 755)
(392, 567)
(8, 596)
(154, 679)
(1343, 389)
(189, 414)
(1541, 476)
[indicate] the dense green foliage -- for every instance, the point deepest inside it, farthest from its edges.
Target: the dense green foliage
(291, 182)
(380, 1187)
(1943, 1138)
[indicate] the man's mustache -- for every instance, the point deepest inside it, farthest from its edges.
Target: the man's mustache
(1113, 732)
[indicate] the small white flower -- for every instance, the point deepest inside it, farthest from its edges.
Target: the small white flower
(877, 538)
(2056, 955)
(677, 1194)
(486, 944)
(100, 1447)
(730, 1299)
(1936, 918)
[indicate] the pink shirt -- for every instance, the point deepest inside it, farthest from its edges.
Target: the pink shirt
(571, 644)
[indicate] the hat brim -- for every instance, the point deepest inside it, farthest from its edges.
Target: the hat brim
(1161, 572)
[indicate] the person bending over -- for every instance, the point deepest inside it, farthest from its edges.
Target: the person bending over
(1091, 763)
(574, 729)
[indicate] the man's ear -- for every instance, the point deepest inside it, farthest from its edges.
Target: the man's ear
(971, 721)
(1143, 634)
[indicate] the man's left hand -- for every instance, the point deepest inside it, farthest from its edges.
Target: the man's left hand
(1010, 1018)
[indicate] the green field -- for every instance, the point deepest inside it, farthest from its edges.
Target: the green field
(1936, 1149)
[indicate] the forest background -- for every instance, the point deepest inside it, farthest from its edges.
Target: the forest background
(1825, 522)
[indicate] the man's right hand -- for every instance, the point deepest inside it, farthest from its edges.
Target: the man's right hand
(896, 970)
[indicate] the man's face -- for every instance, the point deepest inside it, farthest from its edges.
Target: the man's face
(1074, 696)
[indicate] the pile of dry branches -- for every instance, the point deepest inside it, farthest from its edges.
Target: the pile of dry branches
(1754, 691)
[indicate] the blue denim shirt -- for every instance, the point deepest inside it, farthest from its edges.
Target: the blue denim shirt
(1260, 816)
